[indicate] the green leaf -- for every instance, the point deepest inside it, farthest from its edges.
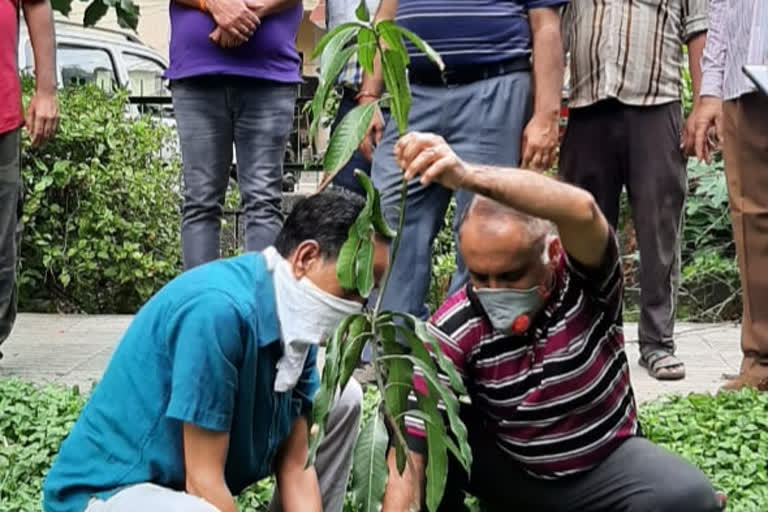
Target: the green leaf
(437, 466)
(394, 71)
(364, 267)
(357, 336)
(362, 13)
(346, 263)
(327, 80)
(94, 13)
(422, 360)
(339, 36)
(127, 14)
(445, 364)
(373, 198)
(347, 136)
(393, 38)
(321, 405)
(422, 45)
(62, 6)
(366, 49)
(398, 387)
(370, 465)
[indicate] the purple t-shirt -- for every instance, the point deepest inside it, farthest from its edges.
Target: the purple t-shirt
(269, 54)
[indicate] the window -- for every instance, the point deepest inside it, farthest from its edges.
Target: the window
(81, 65)
(145, 76)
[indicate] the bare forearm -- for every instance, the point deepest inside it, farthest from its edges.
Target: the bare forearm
(40, 25)
(695, 53)
(548, 61)
(299, 488)
(213, 491)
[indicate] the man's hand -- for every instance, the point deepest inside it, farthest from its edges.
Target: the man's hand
(224, 39)
(237, 17)
(429, 156)
(708, 127)
(375, 128)
(540, 141)
(688, 137)
(42, 117)
(403, 492)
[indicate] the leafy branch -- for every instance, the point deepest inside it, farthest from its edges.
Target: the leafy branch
(401, 345)
(126, 11)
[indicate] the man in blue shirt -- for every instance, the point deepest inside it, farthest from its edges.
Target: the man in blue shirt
(497, 103)
(209, 389)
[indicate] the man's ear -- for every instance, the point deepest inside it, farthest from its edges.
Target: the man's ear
(304, 258)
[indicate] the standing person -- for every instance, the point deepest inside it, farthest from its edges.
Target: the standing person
(41, 119)
(211, 387)
(738, 35)
(233, 72)
(482, 104)
(350, 80)
(626, 59)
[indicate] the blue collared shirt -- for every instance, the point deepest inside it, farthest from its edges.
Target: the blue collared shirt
(203, 351)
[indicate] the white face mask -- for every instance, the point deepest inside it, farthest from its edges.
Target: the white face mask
(511, 310)
(307, 315)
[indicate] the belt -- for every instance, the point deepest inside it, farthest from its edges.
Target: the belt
(469, 74)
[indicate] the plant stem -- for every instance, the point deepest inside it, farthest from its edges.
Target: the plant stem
(394, 248)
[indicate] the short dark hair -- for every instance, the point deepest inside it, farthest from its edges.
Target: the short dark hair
(325, 217)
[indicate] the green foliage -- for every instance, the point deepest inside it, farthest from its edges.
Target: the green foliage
(126, 11)
(101, 209)
(393, 365)
(726, 436)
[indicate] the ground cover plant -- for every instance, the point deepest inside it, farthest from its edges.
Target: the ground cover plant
(726, 436)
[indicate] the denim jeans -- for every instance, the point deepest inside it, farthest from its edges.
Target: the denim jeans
(483, 122)
(10, 227)
(212, 113)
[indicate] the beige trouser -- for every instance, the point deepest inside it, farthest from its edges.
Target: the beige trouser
(745, 126)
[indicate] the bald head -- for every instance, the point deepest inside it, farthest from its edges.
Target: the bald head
(503, 247)
(488, 215)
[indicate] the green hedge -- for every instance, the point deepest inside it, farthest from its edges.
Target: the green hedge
(101, 212)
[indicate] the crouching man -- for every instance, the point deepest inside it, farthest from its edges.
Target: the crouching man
(209, 389)
(537, 336)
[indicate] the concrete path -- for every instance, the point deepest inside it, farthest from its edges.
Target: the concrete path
(75, 350)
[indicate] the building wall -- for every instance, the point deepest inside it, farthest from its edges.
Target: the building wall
(154, 27)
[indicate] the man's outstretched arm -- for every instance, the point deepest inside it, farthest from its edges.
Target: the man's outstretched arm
(43, 112)
(299, 488)
(583, 229)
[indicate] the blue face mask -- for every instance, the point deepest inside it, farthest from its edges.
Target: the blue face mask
(511, 310)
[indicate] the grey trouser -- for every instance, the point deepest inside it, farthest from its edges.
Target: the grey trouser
(10, 230)
(608, 146)
(483, 122)
(333, 463)
(212, 113)
(637, 477)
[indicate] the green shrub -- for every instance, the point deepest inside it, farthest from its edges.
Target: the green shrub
(101, 212)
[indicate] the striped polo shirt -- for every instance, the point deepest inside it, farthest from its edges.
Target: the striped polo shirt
(558, 399)
(470, 32)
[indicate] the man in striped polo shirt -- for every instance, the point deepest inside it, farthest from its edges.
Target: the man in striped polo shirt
(537, 337)
(499, 54)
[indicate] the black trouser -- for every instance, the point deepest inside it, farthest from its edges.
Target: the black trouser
(638, 477)
(609, 146)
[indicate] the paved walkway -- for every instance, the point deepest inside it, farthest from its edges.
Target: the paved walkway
(75, 350)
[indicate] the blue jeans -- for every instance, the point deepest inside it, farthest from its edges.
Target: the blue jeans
(212, 113)
(483, 122)
(10, 227)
